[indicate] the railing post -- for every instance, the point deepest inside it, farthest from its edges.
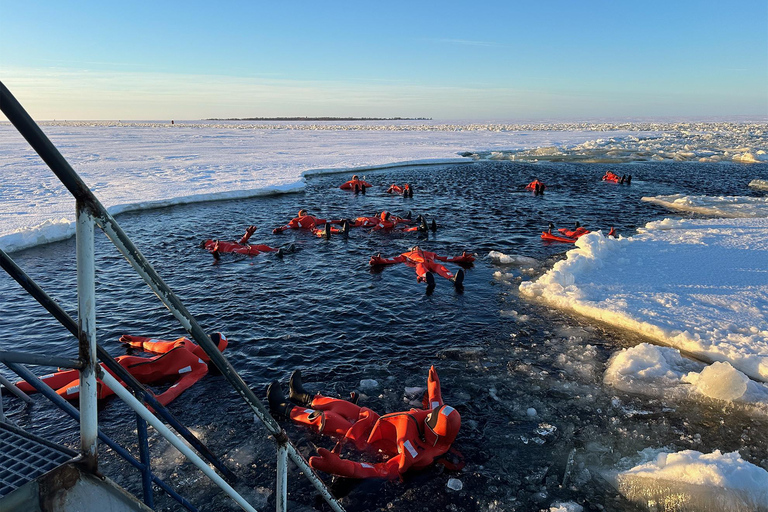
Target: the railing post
(86, 319)
(146, 473)
(281, 490)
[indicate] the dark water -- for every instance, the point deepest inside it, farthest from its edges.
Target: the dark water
(323, 309)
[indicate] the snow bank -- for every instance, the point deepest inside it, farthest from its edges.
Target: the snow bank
(727, 207)
(698, 285)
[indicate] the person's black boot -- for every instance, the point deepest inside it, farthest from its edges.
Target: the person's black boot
(423, 225)
(278, 405)
(297, 394)
(430, 282)
(458, 280)
(362, 189)
(345, 227)
(327, 231)
(434, 225)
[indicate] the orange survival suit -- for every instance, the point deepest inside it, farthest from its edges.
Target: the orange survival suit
(302, 221)
(412, 439)
(536, 185)
(240, 247)
(181, 360)
(405, 190)
(423, 262)
(355, 184)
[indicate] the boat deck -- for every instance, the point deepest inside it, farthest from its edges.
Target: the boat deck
(24, 457)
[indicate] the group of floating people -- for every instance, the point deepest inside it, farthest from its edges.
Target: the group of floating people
(358, 185)
(413, 439)
(538, 187)
(424, 262)
(569, 236)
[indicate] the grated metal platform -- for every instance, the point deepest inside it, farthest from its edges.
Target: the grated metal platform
(24, 457)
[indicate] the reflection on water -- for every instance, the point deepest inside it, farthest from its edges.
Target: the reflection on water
(538, 426)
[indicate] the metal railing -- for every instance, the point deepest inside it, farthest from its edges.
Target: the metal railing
(91, 213)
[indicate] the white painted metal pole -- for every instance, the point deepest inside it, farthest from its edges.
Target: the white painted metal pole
(281, 490)
(164, 431)
(86, 320)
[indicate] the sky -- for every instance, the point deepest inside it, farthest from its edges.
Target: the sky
(447, 60)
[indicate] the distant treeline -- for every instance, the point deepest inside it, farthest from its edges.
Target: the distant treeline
(322, 119)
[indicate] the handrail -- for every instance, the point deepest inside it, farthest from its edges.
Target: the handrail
(90, 209)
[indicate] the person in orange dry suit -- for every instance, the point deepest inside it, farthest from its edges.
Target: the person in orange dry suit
(405, 190)
(424, 263)
(388, 221)
(180, 360)
(369, 222)
(407, 440)
(355, 184)
(302, 221)
(242, 246)
(537, 186)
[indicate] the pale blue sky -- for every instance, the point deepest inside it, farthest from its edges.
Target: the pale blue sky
(484, 60)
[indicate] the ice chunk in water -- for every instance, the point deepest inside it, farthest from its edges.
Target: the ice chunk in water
(723, 381)
(455, 484)
(369, 384)
(568, 506)
(692, 481)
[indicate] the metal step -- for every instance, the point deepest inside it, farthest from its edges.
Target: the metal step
(24, 457)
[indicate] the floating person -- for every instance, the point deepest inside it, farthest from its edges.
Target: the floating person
(615, 178)
(536, 186)
(218, 247)
(411, 439)
(327, 230)
(355, 185)
(565, 235)
(303, 221)
(577, 231)
(369, 222)
(425, 265)
(389, 222)
(405, 190)
(180, 360)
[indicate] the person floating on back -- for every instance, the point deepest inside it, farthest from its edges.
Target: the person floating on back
(327, 229)
(536, 186)
(615, 178)
(218, 247)
(425, 265)
(408, 440)
(405, 190)
(355, 185)
(303, 221)
(180, 361)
